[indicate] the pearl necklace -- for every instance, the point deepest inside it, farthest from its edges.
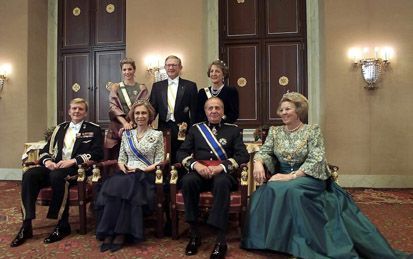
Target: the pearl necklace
(217, 91)
(295, 129)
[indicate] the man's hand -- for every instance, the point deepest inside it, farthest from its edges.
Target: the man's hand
(215, 169)
(203, 170)
(66, 163)
(49, 164)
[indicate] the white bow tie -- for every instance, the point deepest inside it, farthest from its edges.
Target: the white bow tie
(75, 126)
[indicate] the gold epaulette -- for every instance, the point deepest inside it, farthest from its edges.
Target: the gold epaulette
(97, 125)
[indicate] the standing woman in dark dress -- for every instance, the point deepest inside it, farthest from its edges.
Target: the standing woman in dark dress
(218, 72)
(122, 96)
(129, 194)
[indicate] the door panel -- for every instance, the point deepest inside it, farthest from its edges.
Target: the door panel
(76, 20)
(107, 70)
(284, 73)
(282, 17)
(75, 79)
(242, 59)
(242, 18)
(110, 21)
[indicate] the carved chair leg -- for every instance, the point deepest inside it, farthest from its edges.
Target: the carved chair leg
(159, 211)
(82, 207)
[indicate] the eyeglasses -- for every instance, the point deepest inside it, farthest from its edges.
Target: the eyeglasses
(171, 65)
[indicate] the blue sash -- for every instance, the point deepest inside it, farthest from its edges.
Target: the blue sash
(132, 147)
(212, 141)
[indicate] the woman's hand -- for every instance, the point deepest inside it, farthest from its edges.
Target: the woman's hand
(259, 172)
(127, 125)
(281, 177)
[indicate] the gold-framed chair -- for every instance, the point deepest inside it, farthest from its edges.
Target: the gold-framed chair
(238, 199)
(104, 169)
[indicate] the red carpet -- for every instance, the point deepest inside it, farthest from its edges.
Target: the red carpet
(390, 209)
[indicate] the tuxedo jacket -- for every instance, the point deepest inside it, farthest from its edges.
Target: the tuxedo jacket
(185, 103)
(87, 146)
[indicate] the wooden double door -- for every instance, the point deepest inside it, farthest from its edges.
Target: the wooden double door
(264, 45)
(91, 42)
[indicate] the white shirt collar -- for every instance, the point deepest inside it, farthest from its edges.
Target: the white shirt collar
(75, 126)
(174, 81)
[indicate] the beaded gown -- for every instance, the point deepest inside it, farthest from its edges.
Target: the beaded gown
(311, 216)
(124, 199)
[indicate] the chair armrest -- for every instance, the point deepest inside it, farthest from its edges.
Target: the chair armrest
(174, 173)
(334, 172)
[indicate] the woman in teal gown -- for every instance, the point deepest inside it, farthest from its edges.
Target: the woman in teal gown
(300, 211)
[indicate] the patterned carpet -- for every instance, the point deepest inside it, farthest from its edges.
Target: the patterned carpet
(390, 209)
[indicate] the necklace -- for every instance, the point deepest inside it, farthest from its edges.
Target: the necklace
(296, 128)
(215, 92)
(140, 136)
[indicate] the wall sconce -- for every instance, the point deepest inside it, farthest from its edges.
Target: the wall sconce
(154, 69)
(371, 67)
(4, 71)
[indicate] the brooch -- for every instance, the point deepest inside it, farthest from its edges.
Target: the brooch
(223, 141)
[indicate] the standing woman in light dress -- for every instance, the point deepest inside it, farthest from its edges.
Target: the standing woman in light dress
(300, 210)
(218, 73)
(128, 195)
(121, 97)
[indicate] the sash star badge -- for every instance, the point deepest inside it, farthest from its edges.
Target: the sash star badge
(223, 141)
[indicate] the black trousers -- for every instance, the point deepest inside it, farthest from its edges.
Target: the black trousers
(175, 143)
(221, 186)
(37, 178)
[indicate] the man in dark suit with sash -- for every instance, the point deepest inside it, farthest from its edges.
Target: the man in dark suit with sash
(71, 144)
(212, 151)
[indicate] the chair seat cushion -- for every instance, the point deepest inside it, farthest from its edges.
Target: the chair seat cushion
(206, 199)
(45, 194)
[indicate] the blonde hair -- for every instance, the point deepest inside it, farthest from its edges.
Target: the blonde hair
(80, 101)
(148, 106)
(300, 102)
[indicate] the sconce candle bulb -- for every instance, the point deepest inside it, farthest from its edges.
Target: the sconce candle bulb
(4, 71)
(371, 67)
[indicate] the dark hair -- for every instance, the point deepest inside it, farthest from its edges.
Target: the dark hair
(221, 64)
(127, 61)
(300, 102)
(147, 105)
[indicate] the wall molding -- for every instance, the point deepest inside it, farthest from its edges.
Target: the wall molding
(376, 181)
(11, 174)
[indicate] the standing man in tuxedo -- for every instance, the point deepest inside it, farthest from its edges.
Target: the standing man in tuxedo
(71, 144)
(175, 100)
(212, 151)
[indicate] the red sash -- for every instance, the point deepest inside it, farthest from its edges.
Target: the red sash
(210, 162)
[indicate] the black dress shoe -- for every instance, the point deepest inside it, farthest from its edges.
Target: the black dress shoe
(58, 234)
(192, 246)
(115, 247)
(24, 233)
(219, 251)
(105, 247)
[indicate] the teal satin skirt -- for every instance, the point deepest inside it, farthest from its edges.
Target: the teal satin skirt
(311, 218)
